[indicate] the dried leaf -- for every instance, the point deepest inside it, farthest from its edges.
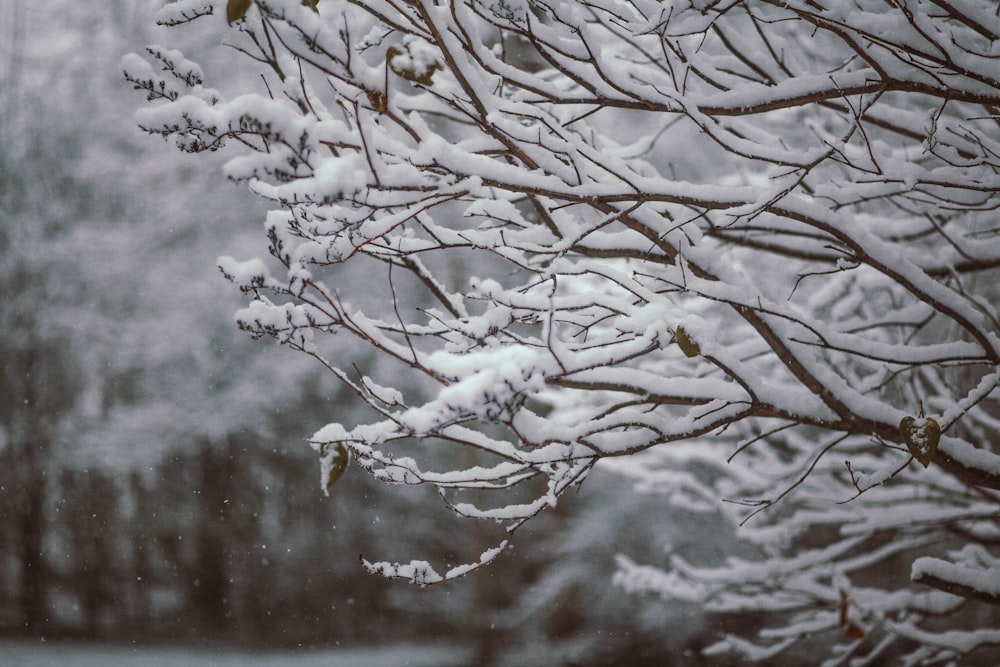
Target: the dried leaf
(687, 344)
(921, 437)
(852, 631)
(848, 628)
(425, 77)
(334, 457)
(377, 99)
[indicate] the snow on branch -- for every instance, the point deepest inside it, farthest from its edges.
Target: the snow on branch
(976, 578)
(745, 252)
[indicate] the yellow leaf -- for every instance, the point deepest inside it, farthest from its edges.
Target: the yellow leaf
(687, 344)
(236, 9)
(334, 457)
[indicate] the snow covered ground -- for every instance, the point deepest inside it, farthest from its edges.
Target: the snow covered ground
(23, 653)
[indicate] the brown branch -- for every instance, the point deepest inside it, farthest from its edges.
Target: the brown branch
(954, 588)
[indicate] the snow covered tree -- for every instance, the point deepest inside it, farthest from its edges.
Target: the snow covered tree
(743, 250)
(42, 201)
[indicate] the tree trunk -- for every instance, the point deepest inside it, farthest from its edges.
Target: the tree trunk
(31, 594)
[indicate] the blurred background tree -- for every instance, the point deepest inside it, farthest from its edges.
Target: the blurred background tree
(156, 480)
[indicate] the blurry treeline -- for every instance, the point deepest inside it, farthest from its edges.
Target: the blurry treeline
(155, 479)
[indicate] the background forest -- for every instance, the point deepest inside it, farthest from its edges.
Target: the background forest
(157, 483)
(732, 263)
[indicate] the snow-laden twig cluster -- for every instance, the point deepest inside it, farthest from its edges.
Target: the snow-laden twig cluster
(730, 245)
